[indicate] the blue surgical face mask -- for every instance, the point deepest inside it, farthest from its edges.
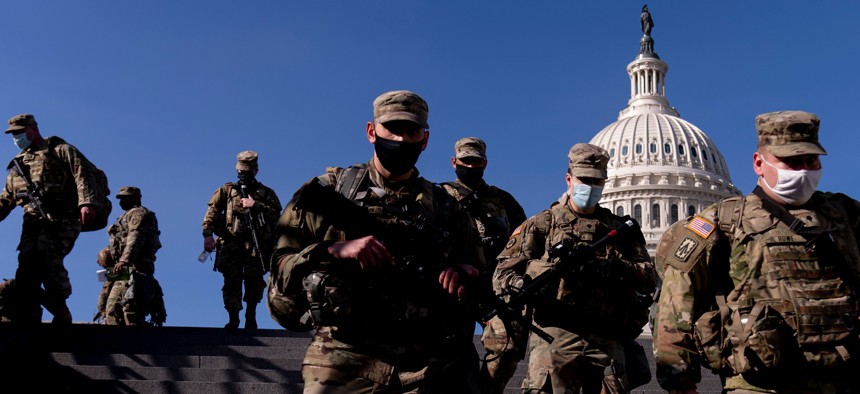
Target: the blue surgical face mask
(586, 196)
(21, 140)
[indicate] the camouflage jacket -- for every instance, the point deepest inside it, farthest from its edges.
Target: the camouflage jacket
(496, 213)
(606, 298)
(57, 168)
(735, 258)
(134, 239)
(394, 326)
(226, 217)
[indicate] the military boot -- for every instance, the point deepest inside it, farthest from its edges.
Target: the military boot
(233, 324)
(251, 317)
(63, 317)
(61, 312)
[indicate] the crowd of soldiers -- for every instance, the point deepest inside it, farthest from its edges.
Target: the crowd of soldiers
(392, 271)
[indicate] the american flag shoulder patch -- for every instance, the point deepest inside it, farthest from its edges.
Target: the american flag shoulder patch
(701, 226)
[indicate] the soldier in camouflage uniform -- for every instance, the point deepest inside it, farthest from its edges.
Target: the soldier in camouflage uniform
(133, 244)
(68, 201)
(496, 213)
(234, 209)
(7, 300)
(104, 260)
(385, 287)
(762, 289)
(594, 311)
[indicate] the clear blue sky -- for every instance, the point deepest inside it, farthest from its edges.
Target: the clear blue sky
(163, 94)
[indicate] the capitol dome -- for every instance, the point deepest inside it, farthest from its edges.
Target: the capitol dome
(661, 168)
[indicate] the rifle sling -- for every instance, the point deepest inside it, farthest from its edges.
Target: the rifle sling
(778, 211)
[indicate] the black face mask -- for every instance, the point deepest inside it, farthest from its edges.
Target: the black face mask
(471, 176)
(246, 177)
(397, 156)
(127, 204)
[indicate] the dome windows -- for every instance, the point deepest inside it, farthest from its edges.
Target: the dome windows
(638, 149)
(624, 150)
(694, 152)
(619, 210)
(612, 152)
(655, 216)
(667, 148)
(681, 149)
(653, 147)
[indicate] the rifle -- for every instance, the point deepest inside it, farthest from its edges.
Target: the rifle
(570, 257)
(356, 222)
(254, 224)
(33, 193)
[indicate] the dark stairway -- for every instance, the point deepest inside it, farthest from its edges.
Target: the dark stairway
(86, 358)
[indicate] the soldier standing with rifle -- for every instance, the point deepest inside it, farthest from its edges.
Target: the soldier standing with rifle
(243, 215)
(599, 305)
(387, 297)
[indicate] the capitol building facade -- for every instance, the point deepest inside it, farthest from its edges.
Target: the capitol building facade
(662, 168)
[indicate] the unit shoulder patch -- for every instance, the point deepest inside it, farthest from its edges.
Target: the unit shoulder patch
(685, 248)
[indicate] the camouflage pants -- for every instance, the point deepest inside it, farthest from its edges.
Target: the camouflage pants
(319, 380)
(503, 350)
(238, 265)
(574, 364)
(101, 304)
(799, 382)
(120, 311)
(40, 263)
(115, 312)
(7, 301)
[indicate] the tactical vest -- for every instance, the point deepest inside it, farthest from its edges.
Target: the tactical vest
(406, 301)
(119, 232)
(235, 214)
(787, 310)
(489, 215)
(234, 211)
(600, 290)
(48, 172)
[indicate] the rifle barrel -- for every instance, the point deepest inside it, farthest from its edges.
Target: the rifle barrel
(33, 192)
(253, 225)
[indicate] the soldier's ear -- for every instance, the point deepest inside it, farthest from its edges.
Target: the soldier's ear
(371, 132)
(426, 139)
(757, 163)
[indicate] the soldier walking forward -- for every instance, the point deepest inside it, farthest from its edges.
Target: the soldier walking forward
(599, 306)
(377, 259)
(762, 289)
(496, 213)
(48, 178)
